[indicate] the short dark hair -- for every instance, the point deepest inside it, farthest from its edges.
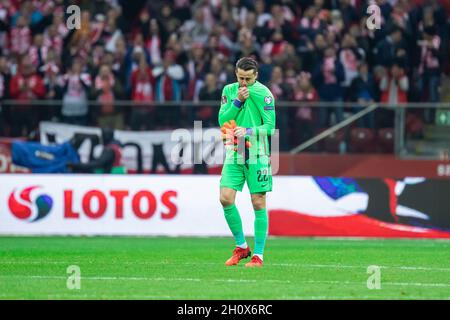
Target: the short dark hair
(247, 64)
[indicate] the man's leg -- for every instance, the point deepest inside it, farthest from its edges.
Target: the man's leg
(259, 182)
(233, 180)
(227, 198)
(261, 223)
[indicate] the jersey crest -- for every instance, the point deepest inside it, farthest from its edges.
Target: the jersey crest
(268, 100)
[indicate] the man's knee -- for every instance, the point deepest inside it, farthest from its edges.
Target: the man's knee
(259, 201)
(226, 199)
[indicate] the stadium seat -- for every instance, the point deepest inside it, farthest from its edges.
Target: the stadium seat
(362, 140)
(386, 140)
(332, 142)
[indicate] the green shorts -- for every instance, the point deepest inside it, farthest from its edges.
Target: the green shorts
(257, 173)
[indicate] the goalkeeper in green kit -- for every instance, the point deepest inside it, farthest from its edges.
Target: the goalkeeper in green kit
(252, 107)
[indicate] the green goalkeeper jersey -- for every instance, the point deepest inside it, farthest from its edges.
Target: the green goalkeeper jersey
(257, 114)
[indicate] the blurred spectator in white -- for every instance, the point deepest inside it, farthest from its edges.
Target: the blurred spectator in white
(430, 65)
(168, 88)
(110, 33)
(55, 33)
(262, 16)
(20, 36)
(238, 12)
(76, 91)
(350, 56)
(195, 30)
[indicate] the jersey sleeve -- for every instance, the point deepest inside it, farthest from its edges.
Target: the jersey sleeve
(265, 103)
(228, 108)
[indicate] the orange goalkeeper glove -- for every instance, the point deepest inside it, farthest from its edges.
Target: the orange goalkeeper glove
(229, 139)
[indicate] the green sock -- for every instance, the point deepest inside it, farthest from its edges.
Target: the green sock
(261, 226)
(234, 222)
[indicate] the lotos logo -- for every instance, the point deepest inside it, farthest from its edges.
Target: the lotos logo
(24, 208)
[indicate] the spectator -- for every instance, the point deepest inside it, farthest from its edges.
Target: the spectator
(25, 86)
(108, 90)
(362, 90)
(133, 57)
(195, 30)
(168, 88)
(276, 47)
(170, 23)
(154, 41)
(38, 51)
(327, 78)
(110, 33)
(278, 86)
(386, 50)
(313, 52)
(282, 92)
(5, 77)
(350, 56)
(310, 23)
(394, 85)
(54, 35)
(20, 36)
(247, 46)
(304, 117)
(349, 13)
(76, 91)
(142, 90)
(216, 68)
(50, 71)
(119, 66)
(209, 92)
(430, 66)
(196, 68)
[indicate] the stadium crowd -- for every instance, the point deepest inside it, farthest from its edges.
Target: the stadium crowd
(310, 50)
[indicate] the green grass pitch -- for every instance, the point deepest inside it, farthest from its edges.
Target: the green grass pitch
(193, 268)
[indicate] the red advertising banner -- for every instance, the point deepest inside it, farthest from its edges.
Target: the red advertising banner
(362, 166)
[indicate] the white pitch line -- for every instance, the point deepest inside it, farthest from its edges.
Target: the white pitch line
(149, 279)
(358, 297)
(94, 296)
(415, 284)
(414, 268)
